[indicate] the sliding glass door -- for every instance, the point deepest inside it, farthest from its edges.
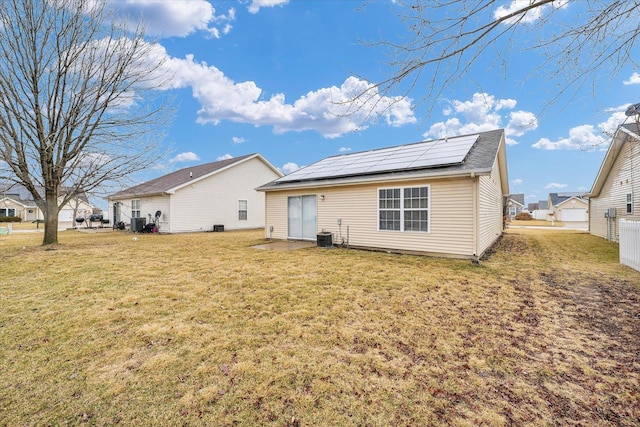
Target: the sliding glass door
(302, 217)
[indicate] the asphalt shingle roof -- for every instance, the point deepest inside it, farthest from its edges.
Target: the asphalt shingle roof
(175, 179)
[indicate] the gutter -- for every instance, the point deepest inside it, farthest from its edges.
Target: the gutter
(366, 180)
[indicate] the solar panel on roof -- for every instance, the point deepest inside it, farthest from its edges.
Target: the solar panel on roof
(427, 154)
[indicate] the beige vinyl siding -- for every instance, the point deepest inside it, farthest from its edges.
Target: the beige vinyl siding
(490, 209)
(623, 178)
(450, 213)
(214, 200)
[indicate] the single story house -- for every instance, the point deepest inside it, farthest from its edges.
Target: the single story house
(197, 198)
(442, 197)
(16, 200)
(615, 193)
(568, 207)
(515, 204)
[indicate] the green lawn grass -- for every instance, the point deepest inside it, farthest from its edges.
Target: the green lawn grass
(202, 329)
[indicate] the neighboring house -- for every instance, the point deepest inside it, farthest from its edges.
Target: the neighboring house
(515, 204)
(531, 207)
(615, 193)
(198, 197)
(568, 207)
(442, 197)
(15, 200)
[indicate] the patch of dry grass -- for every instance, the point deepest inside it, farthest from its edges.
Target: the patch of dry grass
(201, 329)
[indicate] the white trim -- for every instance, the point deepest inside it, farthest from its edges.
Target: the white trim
(402, 208)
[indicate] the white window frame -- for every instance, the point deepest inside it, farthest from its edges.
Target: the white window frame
(135, 208)
(629, 203)
(243, 213)
(401, 209)
(8, 211)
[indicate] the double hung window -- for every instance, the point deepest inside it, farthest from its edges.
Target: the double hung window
(242, 210)
(135, 208)
(403, 209)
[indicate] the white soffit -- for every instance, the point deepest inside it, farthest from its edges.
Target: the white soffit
(439, 152)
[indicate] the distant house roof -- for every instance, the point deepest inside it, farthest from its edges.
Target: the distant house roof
(622, 133)
(543, 204)
(518, 198)
(15, 192)
(20, 194)
(558, 198)
(454, 156)
(533, 206)
(175, 180)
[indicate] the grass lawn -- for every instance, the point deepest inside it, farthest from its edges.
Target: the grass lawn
(202, 329)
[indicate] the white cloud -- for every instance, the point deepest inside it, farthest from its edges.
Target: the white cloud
(344, 149)
(521, 122)
(185, 157)
(633, 80)
(328, 111)
(482, 113)
(255, 5)
(554, 185)
(174, 18)
(516, 181)
(287, 168)
(225, 157)
(238, 140)
(585, 137)
(531, 15)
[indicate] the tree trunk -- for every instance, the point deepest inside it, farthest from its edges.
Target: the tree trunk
(50, 219)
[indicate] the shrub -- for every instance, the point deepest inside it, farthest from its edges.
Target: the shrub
(10, 219)
(524, 216)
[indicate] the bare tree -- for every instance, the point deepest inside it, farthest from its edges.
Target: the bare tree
(447, 37)
(78, 105)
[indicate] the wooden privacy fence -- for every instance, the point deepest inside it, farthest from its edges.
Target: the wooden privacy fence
(630, 243)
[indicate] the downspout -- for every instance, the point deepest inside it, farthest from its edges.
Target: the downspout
(476, 217)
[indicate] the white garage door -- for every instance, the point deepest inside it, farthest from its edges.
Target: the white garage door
(65, 215)
(574, 214)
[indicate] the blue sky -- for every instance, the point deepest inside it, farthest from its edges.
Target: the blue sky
(268, 76)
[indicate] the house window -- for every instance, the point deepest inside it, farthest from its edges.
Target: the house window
(7, 212)
(242, 210)
(416, 209)
(135, 208)
(404, 209)
(629, 203)
(389, 208)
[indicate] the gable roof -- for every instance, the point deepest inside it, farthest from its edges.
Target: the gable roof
(579, 199)
(20, 194)
(518, 198)
(15, 192)
(447, 157)
(559, 198)
(623, 133)
(175, 180)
